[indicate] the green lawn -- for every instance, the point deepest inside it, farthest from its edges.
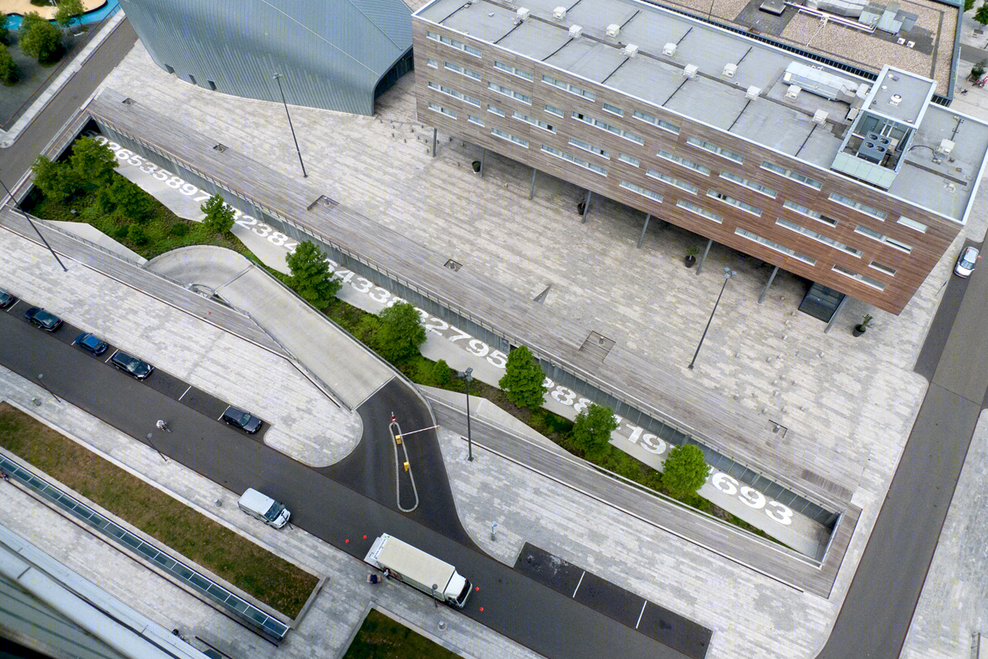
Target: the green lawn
(380, 637)
(258, 572)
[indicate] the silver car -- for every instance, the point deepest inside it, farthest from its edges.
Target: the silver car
(966, 262)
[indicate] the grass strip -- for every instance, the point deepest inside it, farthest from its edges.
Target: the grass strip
(266, 577)
(380, 637)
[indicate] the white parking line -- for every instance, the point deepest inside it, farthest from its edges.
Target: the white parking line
(580, 582)
(184, 392)
(641, 614)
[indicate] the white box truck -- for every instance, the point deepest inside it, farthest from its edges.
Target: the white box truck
(416, 568)
(262, 507)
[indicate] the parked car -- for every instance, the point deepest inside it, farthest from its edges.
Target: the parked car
(90, 343)
(240, 419)
(6, 299)
(138, 368)
(966, 261)
(42, 319)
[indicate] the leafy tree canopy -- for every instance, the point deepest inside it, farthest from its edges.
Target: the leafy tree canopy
(40, 39)
(92, 163)
(8, 67)
(523, 380)
(592, 430)
(55, 181)
(311, 278)
(401, 332)
(219, 216)
(68, 10)
(684, 471)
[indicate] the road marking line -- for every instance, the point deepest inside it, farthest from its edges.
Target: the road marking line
(111, 357)
(641, 614)
(581, 581)
(185, 392)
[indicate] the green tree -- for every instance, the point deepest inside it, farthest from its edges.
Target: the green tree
(68, 10)
(130, 201)
(442, 373)
(8, 67)
(982, 14)
(401, 331)
(523, 381)
(56, 180)
(311, 278)
(92, 164)
(592, 430)
(4, 30)
(219, 216)
(40, 39)
(136, 234)
(684, 471)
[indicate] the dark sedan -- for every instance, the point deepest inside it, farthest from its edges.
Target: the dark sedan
(240, 419)
(6, 299)
(42, 319)
(90, 343)
(132, 365)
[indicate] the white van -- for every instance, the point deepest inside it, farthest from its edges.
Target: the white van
(264, 508)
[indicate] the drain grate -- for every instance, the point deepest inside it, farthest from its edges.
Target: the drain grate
(453, 265)
(220, 147)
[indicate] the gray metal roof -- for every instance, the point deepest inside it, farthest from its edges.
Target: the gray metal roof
(773, 120)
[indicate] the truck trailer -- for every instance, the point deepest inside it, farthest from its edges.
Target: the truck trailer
(413, 566)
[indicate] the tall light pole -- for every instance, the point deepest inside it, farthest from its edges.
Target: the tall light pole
(27, 217)
(468, 376)
(277, 78)
(728, 273)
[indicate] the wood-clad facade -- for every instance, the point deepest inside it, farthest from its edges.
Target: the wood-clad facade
(708, 181)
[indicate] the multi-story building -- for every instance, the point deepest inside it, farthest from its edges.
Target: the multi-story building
(860, 185)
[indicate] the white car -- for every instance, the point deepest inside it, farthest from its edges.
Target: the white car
(966, 262)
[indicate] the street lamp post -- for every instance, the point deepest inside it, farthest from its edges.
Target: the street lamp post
(277, 78)
(728, 273)
(468, 376)
(27, 217)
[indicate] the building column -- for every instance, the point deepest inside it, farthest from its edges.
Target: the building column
(771, 278)
(586, 208)
(641, 239)
(531, 192)
(434, 131)
(833, 319)
(483, 159)
(699, 266)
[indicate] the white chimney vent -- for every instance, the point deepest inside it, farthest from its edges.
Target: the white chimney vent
(523, 13)
(730, 69)
(613, 30)
(753, 92)
(820, 116)
(946, 146)
(669, 49)
(559, 13)
(895, 100)
(793, 92)
(690, 70)
(575, 32)
(630, 50)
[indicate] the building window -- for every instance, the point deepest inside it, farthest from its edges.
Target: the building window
(775, 246)
(702, 212)
(645, 192)
(493, 109)
(882, 238)
(792, 226)
(568, 87)
(603, 125)
(882, 268)
(613, 109)
(432, 63)
(683, 162)
(509, 92)
(551, 109)
(803, 210)
(439, 108)
(682, 185)
(634, 162)
(748, 208)
(535, 122)
(508, 136)
(782, 171)
(453, 43)
(912, 224)
(475, 120)
(713, 148)
(589, 147)
(664, 125)
(452, 66)
(454, 94)
(858, 206)
(513, 71)
(864, 280)
(573, 159)
(751, 185)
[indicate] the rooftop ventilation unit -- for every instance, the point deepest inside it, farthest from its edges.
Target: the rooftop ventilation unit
(613, 30)
(669, 49)
(690, 70)
(630, 50)
(895, 100)
(575, 32)
(793, 92)
(559, 13)
(730, 69)
(820, 117)
(753, 93)
(946, 146)
(523, 13)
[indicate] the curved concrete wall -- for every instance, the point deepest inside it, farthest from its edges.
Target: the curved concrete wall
(330, 54)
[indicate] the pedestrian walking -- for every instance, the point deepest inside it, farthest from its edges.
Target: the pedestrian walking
(162, 425)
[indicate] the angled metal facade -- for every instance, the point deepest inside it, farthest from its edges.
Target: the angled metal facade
(331, 54)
